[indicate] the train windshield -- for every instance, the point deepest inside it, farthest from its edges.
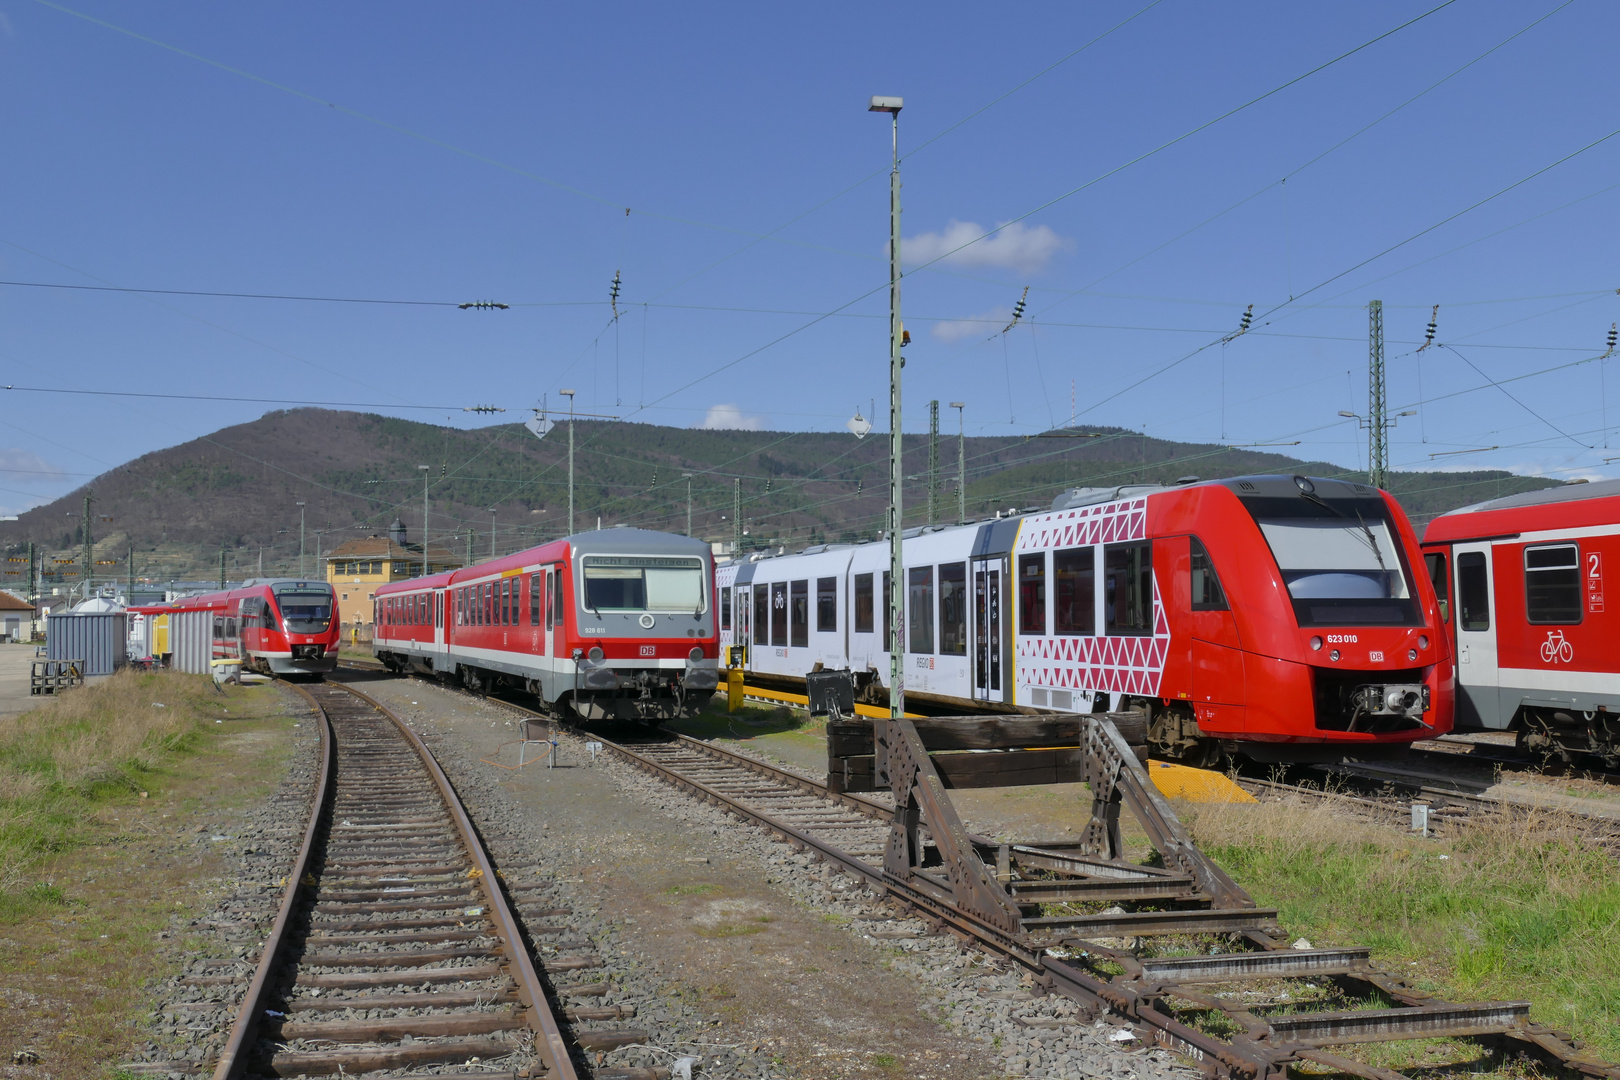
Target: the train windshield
(1341, 560)
(644, 583)
(306, 608)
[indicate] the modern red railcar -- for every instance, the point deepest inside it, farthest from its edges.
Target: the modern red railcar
(283, 627)
(1274, 616)
(613, 623)
(1522, 584)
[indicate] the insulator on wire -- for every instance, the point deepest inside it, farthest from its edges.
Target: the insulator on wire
(1434, 322)
(1612, 329)
(613, 294)
(1243, 325)
(484, 305)
(1018, 311)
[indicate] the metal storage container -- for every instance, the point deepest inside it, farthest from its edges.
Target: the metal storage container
(99, 638)
(191, 641)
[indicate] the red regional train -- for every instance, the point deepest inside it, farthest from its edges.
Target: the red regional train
(616, 623)
(1521, 587)
(283, 627)
(1274, 616)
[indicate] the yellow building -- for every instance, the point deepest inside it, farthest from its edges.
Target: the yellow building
(357, 567)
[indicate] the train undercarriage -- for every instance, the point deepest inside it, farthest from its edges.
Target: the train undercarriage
(1568, 735)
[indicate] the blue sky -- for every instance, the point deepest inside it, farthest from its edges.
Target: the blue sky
(448, 154)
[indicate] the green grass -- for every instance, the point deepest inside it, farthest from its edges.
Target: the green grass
(63, 762)
(1511, 909)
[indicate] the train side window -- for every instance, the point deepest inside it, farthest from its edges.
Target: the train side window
(1207, 594)
(920, 609)
(1473, 592)
(1436, 562)
(779, 613)
(725, 609)
(551, 584)
(1128, 588)
(762, 614)
(1552, 584)
(799, 614)
(826, 605)
(534, 599)
(953, 609)
(863, 603)
(557, 597)
(888, 612)
(1074, 576)
(1032, 593)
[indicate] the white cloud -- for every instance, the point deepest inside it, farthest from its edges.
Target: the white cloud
(1015, 247)
(25, 467)
(985, 324)
(730, 418)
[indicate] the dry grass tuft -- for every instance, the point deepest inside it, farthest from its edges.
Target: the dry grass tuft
(92, 742)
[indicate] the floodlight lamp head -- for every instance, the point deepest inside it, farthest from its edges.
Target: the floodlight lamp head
(1351, 415)
(886, 104)
(958, 404)
(859, 426)
(566, 393)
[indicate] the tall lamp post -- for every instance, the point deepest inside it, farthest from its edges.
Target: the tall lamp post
(897, 566)
(961, 464)
(301, 573)
(492, 532)
(688, 478)
(569, 394)
(425, 469)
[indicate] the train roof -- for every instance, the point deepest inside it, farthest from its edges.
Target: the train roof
(1568, 506)
(621, 540)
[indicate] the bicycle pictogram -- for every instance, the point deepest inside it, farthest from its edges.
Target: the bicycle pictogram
(1556, 649)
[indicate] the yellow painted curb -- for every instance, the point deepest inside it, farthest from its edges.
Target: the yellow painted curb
(779, 697)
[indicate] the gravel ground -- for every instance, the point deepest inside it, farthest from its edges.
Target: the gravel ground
(218, 951)
(735, 950)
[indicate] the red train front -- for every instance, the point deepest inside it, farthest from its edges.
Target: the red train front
(614, 623)
(1275, 616)
(282, 627)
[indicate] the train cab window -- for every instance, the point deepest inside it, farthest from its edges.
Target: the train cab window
(1207, 594)
(725, 609)
(1032, 594)
(1128, 588)
(799, 614)
(534, 599)
(920, 609)
(1074, 578)
(863, 603)
(779, 613)
(1552, 583)
(826, 605)
(1473, 592)
(762, 614)
(1436, 563)
(953, 609)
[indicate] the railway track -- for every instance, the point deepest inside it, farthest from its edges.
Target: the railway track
(395, 946)
(1179, 950)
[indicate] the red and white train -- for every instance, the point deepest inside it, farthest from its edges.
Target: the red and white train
(613, 623)
(1521, 583)
(283, 627)
(1276, 616)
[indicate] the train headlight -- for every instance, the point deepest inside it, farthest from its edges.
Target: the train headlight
(596, 654)
(1411, 654)
(1423, 641)
(695, 655)
(1334, 655)
(1316, 643)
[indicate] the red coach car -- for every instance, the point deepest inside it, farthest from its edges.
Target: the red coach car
(612, 623)
(1538, 651)
(276, 627)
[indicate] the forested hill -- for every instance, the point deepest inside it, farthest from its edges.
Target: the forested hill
(356, 472)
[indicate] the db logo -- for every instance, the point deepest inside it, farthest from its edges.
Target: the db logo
(1555, 650)
(649, 650)
(1375, 657)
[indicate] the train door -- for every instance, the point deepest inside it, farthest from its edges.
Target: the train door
(742, 618)
(1475, 619)
(1214, 649)
(556, 586)
(436, 598)
(989, 608)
